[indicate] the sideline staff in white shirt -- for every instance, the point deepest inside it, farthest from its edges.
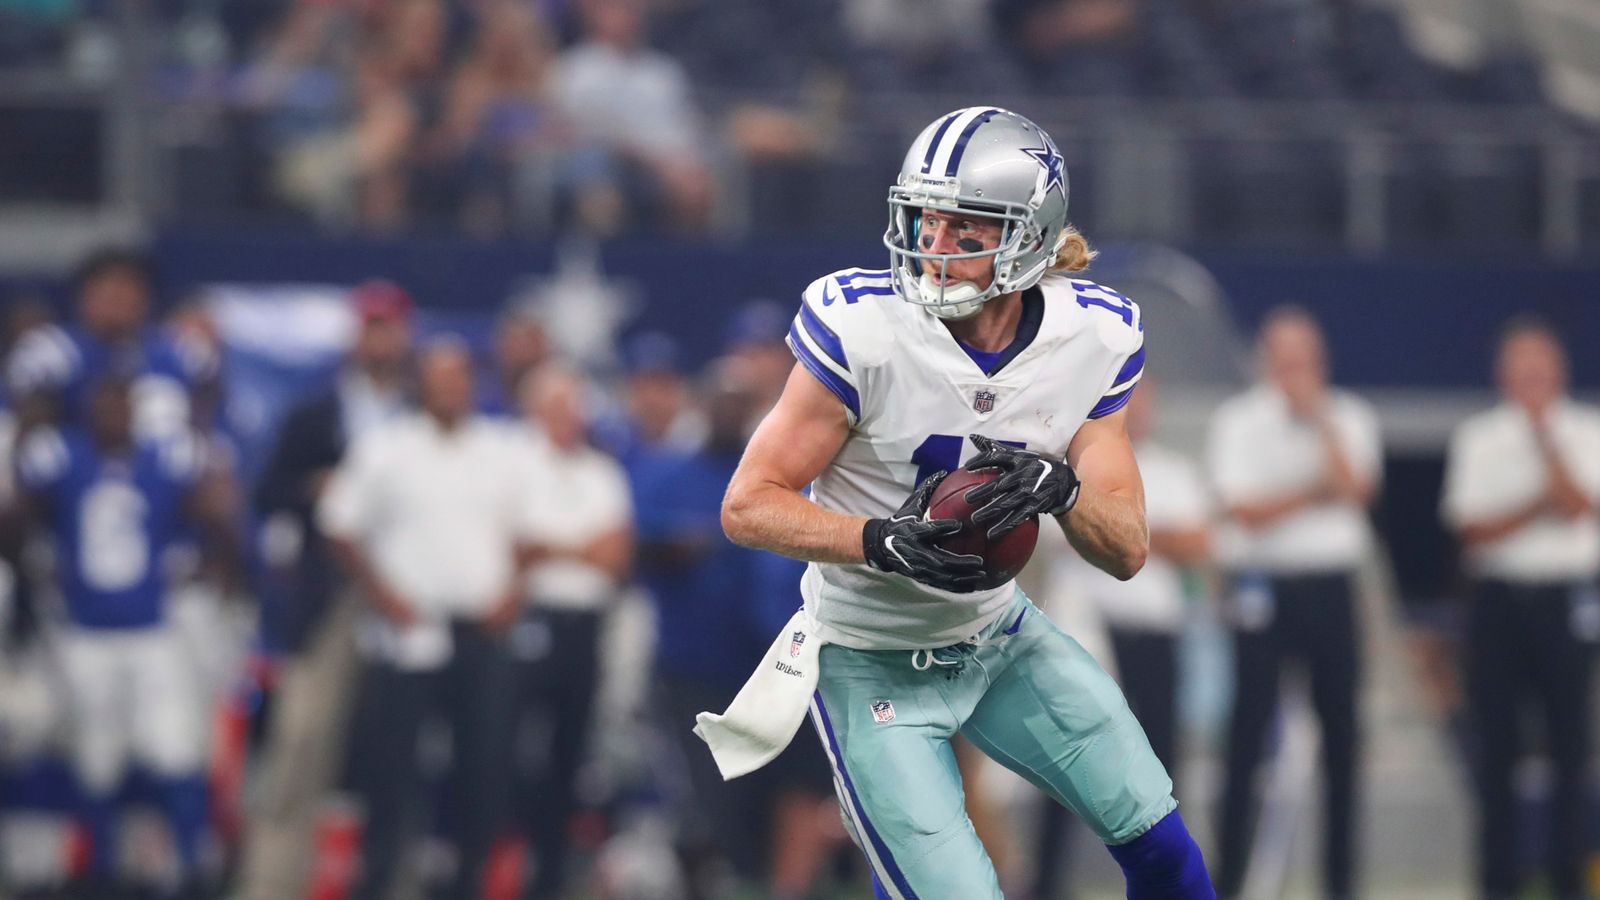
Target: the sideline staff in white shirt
(1522, 490)
(1295, 464)
(1143, 615)
(427, 514)
(580, 523)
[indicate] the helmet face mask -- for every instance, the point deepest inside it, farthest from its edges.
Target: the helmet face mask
(1000, 167)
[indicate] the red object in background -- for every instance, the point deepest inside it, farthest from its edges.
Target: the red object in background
(231, 748)
(338, 851)
(1003, 558)
(378, 299)
(508, 867)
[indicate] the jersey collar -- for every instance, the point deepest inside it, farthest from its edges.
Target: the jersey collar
(1027, 330)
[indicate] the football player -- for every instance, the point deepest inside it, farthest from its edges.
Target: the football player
(975, 345)
(51, 368)
(113, 505)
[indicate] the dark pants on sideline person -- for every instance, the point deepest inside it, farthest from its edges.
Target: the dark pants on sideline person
(558, 662)
(1530, 644)
(729, 821)
(1147, 669)
(474, 694)
(1311, 618)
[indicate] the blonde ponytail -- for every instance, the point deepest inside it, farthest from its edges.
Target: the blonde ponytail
(1075, 253)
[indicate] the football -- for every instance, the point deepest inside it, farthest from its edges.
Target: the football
(1003, 558)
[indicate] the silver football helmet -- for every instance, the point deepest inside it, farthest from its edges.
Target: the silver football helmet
(990, 162)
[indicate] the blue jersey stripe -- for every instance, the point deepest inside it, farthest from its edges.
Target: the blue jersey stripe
(823, 335)
(1110, 404)
(1132, 367)
(830, 379)
(933, 145)
(895, 875)
(961, 142)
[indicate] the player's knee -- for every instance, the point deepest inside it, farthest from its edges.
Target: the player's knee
(1164, 863)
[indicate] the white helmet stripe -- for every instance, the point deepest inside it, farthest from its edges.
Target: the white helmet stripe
(952, 136)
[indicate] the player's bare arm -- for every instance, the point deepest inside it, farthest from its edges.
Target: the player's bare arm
(1107, 525)
(763, 507)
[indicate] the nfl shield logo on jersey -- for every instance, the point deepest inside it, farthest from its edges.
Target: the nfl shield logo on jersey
(882, 711)
(983, 401)
(796, 641)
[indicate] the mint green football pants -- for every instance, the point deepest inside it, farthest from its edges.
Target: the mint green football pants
(1027, 695)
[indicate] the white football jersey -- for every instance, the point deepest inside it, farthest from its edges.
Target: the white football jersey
(913, 395)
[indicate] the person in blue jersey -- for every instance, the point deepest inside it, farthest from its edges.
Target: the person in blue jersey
(716, 603)
(654, 415)
(113, 505)
(51, 368)
(977, 347)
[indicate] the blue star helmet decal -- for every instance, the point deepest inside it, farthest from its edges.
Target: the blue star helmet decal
(1047, 157)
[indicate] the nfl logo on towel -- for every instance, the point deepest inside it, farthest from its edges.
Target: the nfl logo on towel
(882, 711)
(983, 401)
(796, 642)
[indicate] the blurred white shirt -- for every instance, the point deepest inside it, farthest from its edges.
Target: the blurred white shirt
(1175, 498)
(639, 99)
(1258, 450)
(365, 404)
(439, 513)
(574, 497)
(1494, 468)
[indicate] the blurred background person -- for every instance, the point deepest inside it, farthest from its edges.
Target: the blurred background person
(763, 830)
(51, 367)
(656, 412)
(114, 505)
(519, 345)
(499, 124)
(426, 515)
(639, 159)
(756, 342)
(1295, 464)
(1522, 490)
(1145, 615)
(311, 623)
(580, 532)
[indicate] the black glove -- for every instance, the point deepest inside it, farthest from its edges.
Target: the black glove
(905, 544)
(1030, 483)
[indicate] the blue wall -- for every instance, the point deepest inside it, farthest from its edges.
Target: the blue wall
(1413, 322)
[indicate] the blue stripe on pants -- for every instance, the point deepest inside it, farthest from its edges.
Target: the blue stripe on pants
(882, 849)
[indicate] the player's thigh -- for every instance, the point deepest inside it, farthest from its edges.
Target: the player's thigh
(93, 669)
(897, 780)
(169, 722)
(1055, 717)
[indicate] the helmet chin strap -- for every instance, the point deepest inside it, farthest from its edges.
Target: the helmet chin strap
(956, 301)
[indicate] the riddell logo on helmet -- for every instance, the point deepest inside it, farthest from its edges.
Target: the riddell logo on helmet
(932, 186)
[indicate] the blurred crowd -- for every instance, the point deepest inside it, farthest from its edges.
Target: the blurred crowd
(481, 599)
(449, 637)
(666, 116)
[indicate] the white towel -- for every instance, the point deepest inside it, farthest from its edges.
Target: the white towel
(763, 718)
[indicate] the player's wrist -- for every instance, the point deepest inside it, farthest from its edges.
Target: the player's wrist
(872, 541)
